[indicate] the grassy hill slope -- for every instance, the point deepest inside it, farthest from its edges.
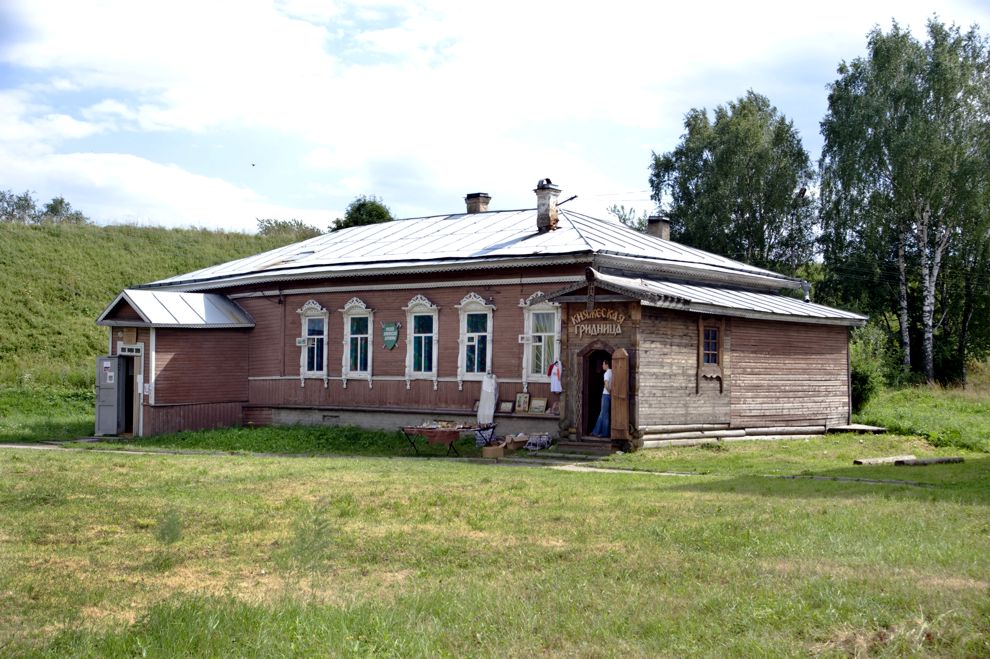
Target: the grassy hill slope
(55, 281)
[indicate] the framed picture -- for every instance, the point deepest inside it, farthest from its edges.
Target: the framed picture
(505, 406)
(538, 406)
(477, 403)
(522, 402)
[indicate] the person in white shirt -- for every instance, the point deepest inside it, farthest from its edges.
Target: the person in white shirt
(603, 427)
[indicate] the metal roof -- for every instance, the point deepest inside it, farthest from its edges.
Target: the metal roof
(464, 240)
(724, 301)
(174, 309)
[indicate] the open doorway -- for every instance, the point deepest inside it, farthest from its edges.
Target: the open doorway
(593, 378)
(126, 393)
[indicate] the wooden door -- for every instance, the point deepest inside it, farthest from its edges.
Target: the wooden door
(620, 394)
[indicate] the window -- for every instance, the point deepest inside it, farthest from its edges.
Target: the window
(421, 340)
(316, 329)
(422, 343)
(476, 353)
(358, 350)
(541, 342)
(710, 350)
(358, 324)
(313, 342)
(475, 356)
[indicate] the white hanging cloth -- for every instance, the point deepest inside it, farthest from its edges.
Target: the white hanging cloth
(489, 398)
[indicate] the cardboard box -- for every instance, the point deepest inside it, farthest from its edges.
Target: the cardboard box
(492, 451)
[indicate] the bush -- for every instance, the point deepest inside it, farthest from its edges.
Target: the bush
(868, 356)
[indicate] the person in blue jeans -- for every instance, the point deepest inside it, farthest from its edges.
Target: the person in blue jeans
(603, 427)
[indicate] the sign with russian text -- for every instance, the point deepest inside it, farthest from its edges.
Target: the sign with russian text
(597, 322)
(390, 334)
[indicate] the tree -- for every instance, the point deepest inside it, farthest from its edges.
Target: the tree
(292, 231)
(363, 211)
(738, 185)
(628, 216)
(23, 209)
(904, 172)
(17, 209)
(59, 211)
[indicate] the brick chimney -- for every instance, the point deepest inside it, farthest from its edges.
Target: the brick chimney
(546, 205)
(477, 202)
(659, 226)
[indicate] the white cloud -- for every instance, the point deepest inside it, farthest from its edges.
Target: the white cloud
(417, 101)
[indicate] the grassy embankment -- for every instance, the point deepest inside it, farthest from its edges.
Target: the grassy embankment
(104, 554)
(54, 282)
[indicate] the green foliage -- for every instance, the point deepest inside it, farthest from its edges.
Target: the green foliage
(628, 216)
(364, 210)
(906, 190)
(738, 183)
(23, 209)
(57, 279)
(869, 361)
(291, 231)
(946, 417)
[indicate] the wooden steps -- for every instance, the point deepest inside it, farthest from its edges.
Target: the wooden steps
(586, 446)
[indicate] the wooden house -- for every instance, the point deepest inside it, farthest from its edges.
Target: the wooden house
(396, 323)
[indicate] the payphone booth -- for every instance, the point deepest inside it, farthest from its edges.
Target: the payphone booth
(115, 395)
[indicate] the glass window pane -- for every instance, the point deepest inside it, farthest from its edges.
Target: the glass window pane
(477, 322)
(428, 356)
(543, 323)
(482, 353)
(363, 347)
(422, 324)
(359, 325)
(470, 362)
(314, 326)
(418, 354)
(354, 354)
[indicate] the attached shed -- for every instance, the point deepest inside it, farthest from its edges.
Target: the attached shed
(393, 324)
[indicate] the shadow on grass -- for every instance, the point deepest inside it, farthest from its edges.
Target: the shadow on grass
(46, 430)
(967, 482)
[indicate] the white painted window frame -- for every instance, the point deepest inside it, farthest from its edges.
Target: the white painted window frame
(356, 308)
(420, 305)
(473, 303)
(312, 309)
(534, 304)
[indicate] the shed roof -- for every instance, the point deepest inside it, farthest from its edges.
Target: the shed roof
(158, 308)
(464, 240)
(720, 300)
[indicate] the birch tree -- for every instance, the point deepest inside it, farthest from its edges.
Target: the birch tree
(905, 147)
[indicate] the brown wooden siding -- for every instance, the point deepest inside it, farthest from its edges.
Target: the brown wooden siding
(273, 352)
(788, 374)
(200, 366)
(173, 418)
(124, 311)
(383, 394)
(667, 373)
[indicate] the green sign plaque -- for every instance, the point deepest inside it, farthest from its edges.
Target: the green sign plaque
(390, 334)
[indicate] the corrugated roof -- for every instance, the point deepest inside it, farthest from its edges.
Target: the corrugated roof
(446, 241)
(726, 301)
(176, 309)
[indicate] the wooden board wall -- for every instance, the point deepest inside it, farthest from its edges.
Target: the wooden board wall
(200, 366)
(788, 374)
(668, 389)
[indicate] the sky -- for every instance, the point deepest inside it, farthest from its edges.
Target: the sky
(214, 113)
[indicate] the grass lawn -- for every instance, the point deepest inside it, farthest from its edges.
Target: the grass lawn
(105, 554)
(38, 413)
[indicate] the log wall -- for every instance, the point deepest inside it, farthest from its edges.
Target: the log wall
(789, 374)
(667, 376)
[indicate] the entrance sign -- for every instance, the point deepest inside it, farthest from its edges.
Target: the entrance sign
(597, 322)
(390, 334)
